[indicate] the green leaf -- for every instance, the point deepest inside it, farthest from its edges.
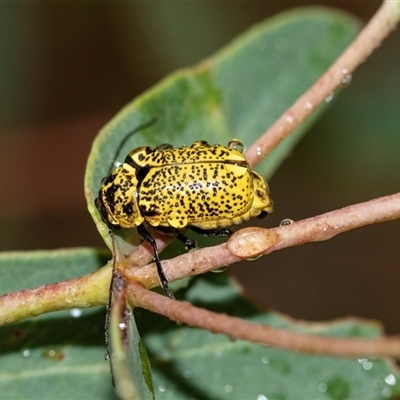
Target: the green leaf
(194, 363)
(20, 270)
(61, 356)
(237, 93)
(128, 357)
(58, 355)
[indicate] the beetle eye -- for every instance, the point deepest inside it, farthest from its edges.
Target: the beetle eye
(260, 194)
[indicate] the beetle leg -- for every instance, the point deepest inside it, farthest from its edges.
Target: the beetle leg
(189, 244)
(146, 237)
(219, 232)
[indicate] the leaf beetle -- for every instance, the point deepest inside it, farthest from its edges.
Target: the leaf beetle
(202, 187)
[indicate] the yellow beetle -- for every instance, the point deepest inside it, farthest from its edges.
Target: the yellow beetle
(204, 187)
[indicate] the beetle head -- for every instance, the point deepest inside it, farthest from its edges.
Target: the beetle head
(117, 200)
(262, 202)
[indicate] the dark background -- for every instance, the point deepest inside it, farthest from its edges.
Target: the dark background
(67, 68)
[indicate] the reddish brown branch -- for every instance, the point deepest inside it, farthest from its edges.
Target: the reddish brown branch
(378, 28)
(233, 327)
(91, 290)
(251, 242)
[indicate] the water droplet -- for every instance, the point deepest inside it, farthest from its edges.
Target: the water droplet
(122, 326)
(219, 269)
(236, 144)
(330, 97)
(107, 357)
(128, 312)
(322, 387)
(259, 152)
(289, 119)
(262, 397)
(377, 383)
(390, 380)
(368, 365)
(346, 80)
(26, 353)
(210, 321)
(75, 312)
(344, 71)
(309, 105)
(387, 392)
(286, 221)
(52, 354)
(228, 388)
(265, 359)
(162, 388)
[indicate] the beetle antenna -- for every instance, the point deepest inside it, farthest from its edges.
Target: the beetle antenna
(127, 137)
(146, 237)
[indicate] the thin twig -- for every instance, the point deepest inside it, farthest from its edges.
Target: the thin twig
(234, 327)
(92, 290)
(86, 291)
(378, 28)
(251, 242)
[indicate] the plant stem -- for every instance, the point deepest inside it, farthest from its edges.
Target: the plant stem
(86, 291)
(238, 328)
(378, 28)
(92, 290)
(248, 243)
